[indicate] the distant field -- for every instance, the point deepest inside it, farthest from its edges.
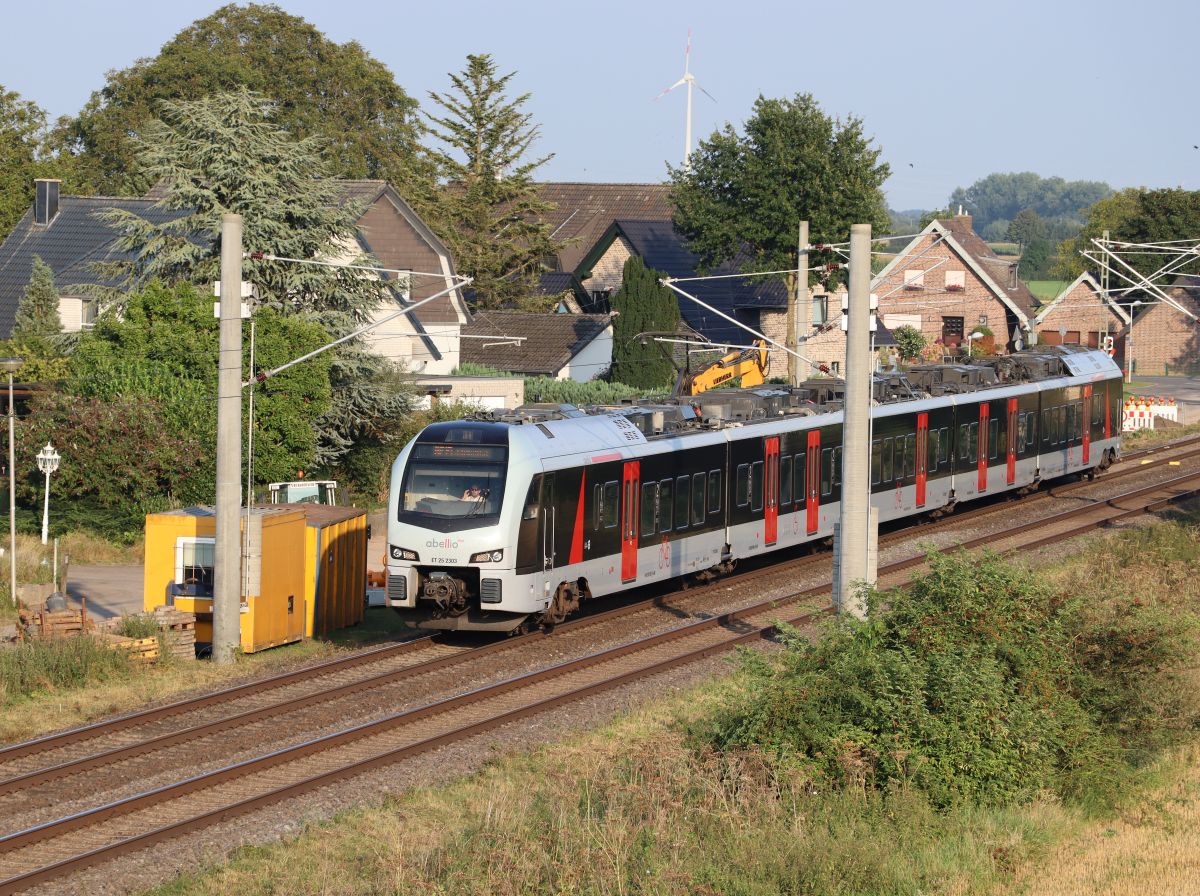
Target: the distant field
(1005, 248)
(1046, 289)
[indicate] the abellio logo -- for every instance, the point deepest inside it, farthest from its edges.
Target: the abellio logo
(444, 543)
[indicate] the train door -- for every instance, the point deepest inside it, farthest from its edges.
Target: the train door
(922, 457)
(982, 442)
(549, 519)
(1107, 412)
(1087, 423)
(630, 489)
(812, 480)
(1011, 447)
(771, 504)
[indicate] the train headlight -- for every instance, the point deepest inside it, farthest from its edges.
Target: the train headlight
(398, 553)
(487, 557)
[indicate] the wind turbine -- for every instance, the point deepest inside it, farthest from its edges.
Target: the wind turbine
(689, 80)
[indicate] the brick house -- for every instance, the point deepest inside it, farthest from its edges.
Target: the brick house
(1163, 339)
(67, 234)
(580, 216)
(947, 282)
(1082, 314)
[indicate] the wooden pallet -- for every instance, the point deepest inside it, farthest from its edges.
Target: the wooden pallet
(62, 624)
(139, 650)
(179, 631)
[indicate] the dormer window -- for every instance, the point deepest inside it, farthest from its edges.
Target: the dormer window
(956, 281)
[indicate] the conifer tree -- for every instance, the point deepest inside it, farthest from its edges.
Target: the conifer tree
(223, 154)
(37, 312)
(642, 305)
(487, 207)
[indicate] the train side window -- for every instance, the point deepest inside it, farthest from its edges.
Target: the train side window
(973, 441)
(756, 485)
(910, 453)
(597, 504)
(1077, 429)
(683, 497)
(665, 516)
(931, 450)
(1031, 419)
(1047, 414)
(743, 485)
(714, 491)
(799, 462)
(944, 445)
(698, 499)
(608, 513)
(963, 430)
(1022, 430)
(649, 506)
(1061, 423)
(827, 472)
(1097, 410)
(876, 461)
(785, 480)
(886, 471)
(993, 436)
(837, 465)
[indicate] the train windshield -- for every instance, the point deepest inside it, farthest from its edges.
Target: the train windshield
(453, 486)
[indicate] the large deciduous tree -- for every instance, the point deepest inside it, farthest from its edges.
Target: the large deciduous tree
(1002, 196)
(642, 305)
(21, 125)
(486, 206)
(321, 88)
(136, 415)
(742, 196)
(222, 154)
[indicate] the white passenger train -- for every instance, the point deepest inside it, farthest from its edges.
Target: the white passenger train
(512, 518)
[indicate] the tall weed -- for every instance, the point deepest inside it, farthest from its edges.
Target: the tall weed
(34, 666)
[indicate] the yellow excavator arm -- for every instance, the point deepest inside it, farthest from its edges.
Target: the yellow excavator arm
(748, 363)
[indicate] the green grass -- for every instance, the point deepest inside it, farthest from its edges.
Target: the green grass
(1046, 289)
(69, 663)
(1005, 248)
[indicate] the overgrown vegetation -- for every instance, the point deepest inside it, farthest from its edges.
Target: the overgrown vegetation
(66, 663)
(978, 684)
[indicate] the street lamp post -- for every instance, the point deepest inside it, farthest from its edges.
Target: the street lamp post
(971, 336)
(11, 366)
(47, 461)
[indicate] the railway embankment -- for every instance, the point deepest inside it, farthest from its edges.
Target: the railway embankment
(996, 728)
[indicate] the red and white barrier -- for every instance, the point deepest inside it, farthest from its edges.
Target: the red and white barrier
(1141, 410)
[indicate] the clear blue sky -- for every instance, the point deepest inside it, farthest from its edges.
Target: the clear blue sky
(952, 91)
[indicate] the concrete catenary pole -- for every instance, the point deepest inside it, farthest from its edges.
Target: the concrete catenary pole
(227, 561)
(802, 326)
(856, 439)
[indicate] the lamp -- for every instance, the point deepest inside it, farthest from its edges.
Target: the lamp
(11, 366)
(974, 335)
(47, 461)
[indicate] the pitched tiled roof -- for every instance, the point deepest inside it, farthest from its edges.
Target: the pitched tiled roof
(72, 242)
(662, 248)
(551, 340)
(583, 212)
(1002, 272)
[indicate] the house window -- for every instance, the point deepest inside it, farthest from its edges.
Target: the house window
(835, 366)
(914, 279)
(820, 309)
(956, 281)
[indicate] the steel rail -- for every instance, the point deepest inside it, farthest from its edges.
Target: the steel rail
(387, 652)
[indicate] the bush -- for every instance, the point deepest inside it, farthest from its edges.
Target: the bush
(547, 389)
(138, 625)
(977, 684)
(910, 342)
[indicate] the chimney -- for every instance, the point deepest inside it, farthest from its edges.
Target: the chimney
(45, 200)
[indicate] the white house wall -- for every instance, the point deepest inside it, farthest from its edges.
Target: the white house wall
(593, 360)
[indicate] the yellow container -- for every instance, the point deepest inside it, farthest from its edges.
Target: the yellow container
(179, 568)
(335, 566)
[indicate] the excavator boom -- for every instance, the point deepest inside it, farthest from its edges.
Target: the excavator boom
(748, 363)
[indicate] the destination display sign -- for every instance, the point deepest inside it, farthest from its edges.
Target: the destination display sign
(493, 453)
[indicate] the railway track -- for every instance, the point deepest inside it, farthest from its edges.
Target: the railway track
(55, 757)
(46, 851)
